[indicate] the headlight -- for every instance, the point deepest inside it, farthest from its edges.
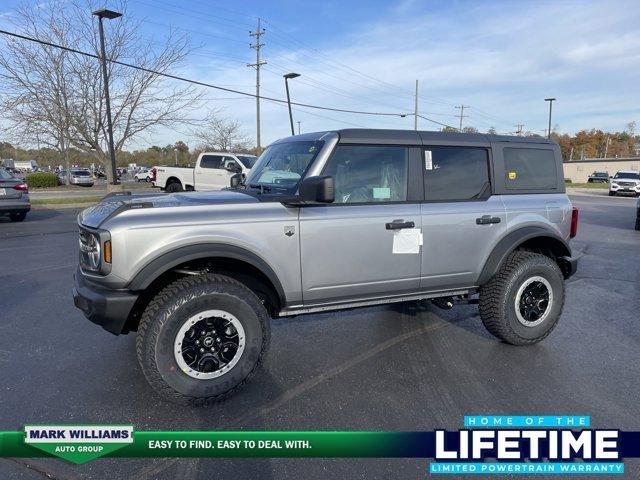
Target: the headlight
(614, 184)
(95, 251)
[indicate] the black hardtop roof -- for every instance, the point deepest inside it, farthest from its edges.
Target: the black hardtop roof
(373, 135)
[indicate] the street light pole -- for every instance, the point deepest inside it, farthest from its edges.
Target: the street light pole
(550, 100)
(108, 14)
(287, 77)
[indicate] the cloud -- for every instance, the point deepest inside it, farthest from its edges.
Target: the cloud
(502, 58)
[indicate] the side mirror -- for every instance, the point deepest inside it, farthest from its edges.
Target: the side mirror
(316, 190)
(235, 180)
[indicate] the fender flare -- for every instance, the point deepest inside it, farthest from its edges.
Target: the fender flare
(165, 262)
(516, 238)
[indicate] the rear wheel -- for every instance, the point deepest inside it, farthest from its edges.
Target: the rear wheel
(174, 187)
(17, 217)
(202, 338)
(522, 303)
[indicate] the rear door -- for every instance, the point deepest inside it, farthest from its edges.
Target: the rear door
(365, 244)
(208, 175)
(462, 221)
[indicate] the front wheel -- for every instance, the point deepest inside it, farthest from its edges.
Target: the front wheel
(17, 217)
(201, 338)
(611, 194)
(522, 303)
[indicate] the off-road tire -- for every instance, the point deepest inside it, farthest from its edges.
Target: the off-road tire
(497, 298)
(174, 187)
(168, 311)
(17, 217)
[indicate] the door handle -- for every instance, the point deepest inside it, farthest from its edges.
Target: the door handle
(399, 224)
(487, 220)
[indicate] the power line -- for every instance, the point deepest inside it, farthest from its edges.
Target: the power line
(196, 82)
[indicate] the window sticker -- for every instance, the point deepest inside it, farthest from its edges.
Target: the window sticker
(407, 241)
(513, 175)
(381, 192)
(428, 161)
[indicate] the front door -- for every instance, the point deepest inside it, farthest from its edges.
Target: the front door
(367, 243)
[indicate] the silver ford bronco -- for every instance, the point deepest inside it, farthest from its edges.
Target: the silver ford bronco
(328, 221)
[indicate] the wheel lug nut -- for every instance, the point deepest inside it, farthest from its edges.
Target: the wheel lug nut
(202, 350)
(197, 342)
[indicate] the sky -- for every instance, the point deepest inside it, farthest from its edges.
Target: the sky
(501, 59)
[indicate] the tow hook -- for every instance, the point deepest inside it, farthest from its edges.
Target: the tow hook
(445, 303)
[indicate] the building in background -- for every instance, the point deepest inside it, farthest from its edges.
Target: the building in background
(578, 171)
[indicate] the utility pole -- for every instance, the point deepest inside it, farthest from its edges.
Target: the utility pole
(257, 46)
(519, 127)
(415, 110)
(606, 146)
(462, 115)
(298, 127)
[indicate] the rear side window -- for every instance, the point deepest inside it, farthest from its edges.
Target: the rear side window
(211, 161)
(530, 169)
(455, 173)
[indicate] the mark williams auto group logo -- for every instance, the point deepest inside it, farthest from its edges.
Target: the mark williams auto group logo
(78, 444)
(527, 445)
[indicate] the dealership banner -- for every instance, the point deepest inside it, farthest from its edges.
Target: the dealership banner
(486, 444)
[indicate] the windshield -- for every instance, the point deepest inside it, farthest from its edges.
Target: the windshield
(635, 176)
(5, 175)
(281, 166)
(247, 160)
(80, 173)
(601, 174)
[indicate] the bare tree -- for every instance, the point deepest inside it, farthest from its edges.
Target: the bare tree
(56, 97)
(219, 133)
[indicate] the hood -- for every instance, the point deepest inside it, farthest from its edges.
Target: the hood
(625, 179)
(112, 205)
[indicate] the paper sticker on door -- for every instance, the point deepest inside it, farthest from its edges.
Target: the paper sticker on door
(407, 240)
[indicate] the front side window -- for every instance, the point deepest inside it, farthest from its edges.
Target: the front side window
(211, 161)
(455, 173)
(530, 169)
(282, 165)
(369, 174)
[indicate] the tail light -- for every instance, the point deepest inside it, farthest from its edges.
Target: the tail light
(23, 187)
(153, 174)
(574, 222)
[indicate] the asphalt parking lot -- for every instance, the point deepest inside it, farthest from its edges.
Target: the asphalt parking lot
(403, 367)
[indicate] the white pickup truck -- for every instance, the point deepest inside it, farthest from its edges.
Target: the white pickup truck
(213, 171)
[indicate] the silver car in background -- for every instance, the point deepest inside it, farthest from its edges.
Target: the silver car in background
(80, 177)
(14, 196)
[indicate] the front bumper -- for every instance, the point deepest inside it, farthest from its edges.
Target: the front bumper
(105, 307)
(625, 189)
